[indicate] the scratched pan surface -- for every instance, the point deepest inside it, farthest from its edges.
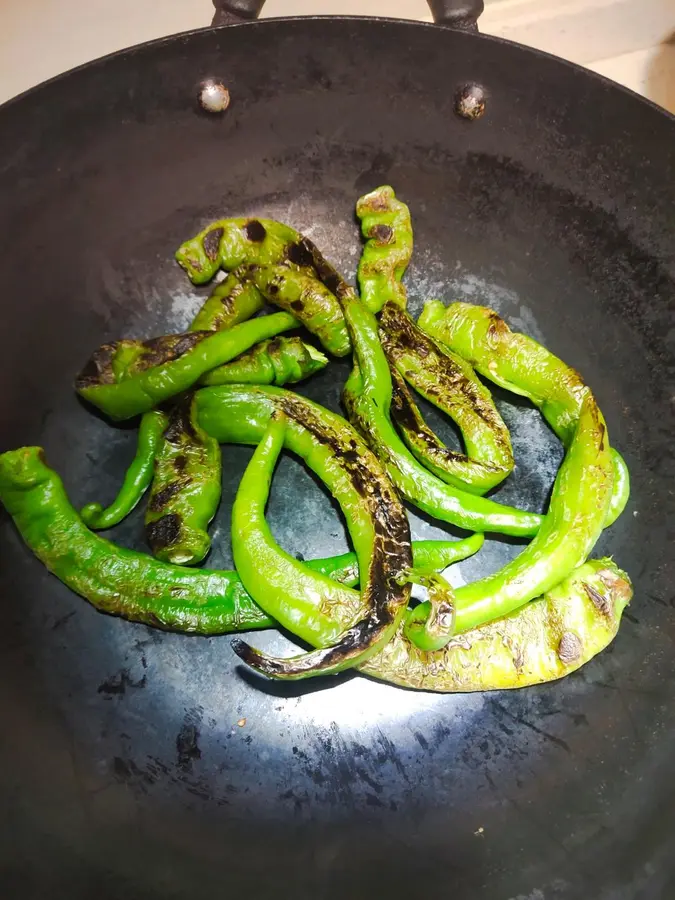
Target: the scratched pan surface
(138, 763)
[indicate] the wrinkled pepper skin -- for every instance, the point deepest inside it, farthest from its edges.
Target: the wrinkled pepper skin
(131, 377)
(449, 382)
(230, 242)
(185, 489)
(367, 399)
(544, 640)
(521, 365)
(373, 512)
(137, 478)
(305, 297)
(229, 303)
(278, 361)
(387, 228)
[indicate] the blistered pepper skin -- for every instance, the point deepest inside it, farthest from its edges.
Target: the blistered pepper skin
(387, 228)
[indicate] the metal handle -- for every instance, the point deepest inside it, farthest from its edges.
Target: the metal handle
(459, 14)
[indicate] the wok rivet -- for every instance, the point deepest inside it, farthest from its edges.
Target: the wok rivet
(470, 101)
(214, 97)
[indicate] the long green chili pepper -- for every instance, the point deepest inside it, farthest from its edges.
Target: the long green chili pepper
(432, 628)
(386, 225)
(449, 382)
(304, 296)
(521, 365)
(230, 303)
(374, 514)
(131, 377)
(544, 640)
(134, 585)
(300, 599)
(185, 490)
(137, 478)
(367, 397)
(279, 361)
(230, 242)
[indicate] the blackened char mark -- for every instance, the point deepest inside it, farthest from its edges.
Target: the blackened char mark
(382, 234)
(159, 500)
(98, 368)
(255, 231)
(165, 532)
(180, 421)
(169, 347)
(211, 242)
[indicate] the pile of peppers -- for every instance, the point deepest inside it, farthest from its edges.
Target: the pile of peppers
(543, 615)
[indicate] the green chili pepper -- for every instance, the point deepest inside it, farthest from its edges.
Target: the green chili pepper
(447, 381)
(375, 517)
(300, 599)
(386, 225)
(185, 490)
(134, 585)
(230, 242)
(519, 364)
(279, 361)
(367, 397)
(137, 478)
(131, 377)
(230, 303)
(432, 627)
(545, 640)
(306, 298)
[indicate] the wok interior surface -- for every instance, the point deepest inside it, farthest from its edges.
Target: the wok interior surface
(127, 769)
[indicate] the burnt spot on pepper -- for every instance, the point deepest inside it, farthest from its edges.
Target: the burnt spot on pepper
(159, 500)
(382, 234)
(570, 648)
(164, 532)
(98, 368)
(165, 349)
(300, 254)
(601, 602)
(180, 421)
(255, 231)
(211, 242)
(179, 463)
(297, 306)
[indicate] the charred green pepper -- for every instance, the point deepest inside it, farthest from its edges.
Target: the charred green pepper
(544, 640)
(375, 517)
(521, 365)
(131, 377)
(185, 490)
(279, 361)
(386, 225)
(230, 303)
(449, 382)
(303, 295)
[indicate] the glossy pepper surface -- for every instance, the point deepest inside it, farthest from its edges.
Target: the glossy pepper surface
(185, 489)
(131, 377)
(387, 228)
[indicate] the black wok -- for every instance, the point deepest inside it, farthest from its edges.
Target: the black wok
(126, 767)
